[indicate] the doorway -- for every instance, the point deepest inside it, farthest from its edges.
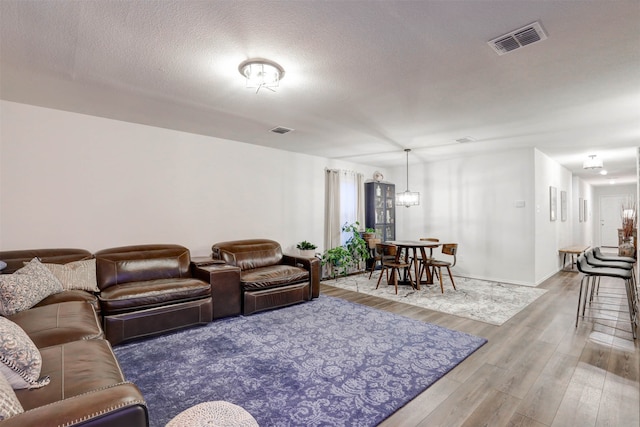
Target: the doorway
(610, 211)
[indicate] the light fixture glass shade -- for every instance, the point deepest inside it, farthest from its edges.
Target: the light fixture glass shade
(408, 198)
(592, 162)
(261, 73)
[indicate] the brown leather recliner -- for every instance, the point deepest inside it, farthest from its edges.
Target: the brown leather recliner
(148, 289)
(268, 278)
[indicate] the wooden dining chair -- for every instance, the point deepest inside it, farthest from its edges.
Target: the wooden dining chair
(391, 261)
(376, 256)
(450, 249)
(422, 265)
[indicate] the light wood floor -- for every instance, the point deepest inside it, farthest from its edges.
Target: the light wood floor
(537, 369)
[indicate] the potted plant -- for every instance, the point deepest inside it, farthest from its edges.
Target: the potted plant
(368, 233)
(356, 245)
(307, 249)
(338, 259)
(347, 257)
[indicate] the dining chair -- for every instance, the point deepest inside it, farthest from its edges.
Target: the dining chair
(376, 256)
(450, 249)
(391, 261)
(419, 259)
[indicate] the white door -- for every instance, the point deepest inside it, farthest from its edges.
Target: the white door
(610, 220)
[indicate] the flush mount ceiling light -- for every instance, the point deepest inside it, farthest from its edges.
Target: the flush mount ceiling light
(592, 162)
(261, 73)
(408, 198)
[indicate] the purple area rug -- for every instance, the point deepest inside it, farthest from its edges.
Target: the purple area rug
(327, 362)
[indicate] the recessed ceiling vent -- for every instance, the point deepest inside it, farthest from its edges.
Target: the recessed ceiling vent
(281, 130)
(518, 38)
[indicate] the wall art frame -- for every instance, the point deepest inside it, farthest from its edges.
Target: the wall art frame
(580, 210)
(553, 203)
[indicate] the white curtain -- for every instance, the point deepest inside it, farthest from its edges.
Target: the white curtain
(344, 203)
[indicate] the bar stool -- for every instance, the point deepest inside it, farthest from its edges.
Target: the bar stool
(623, 265)
(610, 257)
(597, 253)
(590, 275)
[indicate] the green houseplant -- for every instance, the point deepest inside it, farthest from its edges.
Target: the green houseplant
(306, 249)
(349, 256)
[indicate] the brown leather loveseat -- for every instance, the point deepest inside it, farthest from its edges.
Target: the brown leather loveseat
(266, 277)
(86, 386)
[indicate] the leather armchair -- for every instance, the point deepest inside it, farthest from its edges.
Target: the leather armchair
(267, 277)
(148, 289)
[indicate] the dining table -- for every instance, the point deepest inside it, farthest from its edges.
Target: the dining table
(412, 247)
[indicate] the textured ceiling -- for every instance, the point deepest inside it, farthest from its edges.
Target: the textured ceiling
(364, 79)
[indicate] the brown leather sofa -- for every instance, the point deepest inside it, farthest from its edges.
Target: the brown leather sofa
(149, 289)
(87, 387)
(258, 276)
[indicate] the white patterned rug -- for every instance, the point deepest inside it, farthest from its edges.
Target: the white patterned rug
(489, 302)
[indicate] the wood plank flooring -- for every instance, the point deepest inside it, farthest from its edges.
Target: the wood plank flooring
(537, 369)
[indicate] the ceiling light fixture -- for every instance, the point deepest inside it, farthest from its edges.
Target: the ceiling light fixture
(408, 198)
(261, 73)
(592, 162)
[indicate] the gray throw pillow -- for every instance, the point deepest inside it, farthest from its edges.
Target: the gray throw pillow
(21, 359)
(76, 275)
(26, 287)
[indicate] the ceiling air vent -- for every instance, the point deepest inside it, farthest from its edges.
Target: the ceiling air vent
(281, 130)
(518, 38)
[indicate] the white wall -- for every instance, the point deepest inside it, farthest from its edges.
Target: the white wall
(497, 207)
(72, 180)
(551, 235)
(582, 231)
(472, 201)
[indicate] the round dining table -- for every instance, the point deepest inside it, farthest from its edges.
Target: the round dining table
(412, 247)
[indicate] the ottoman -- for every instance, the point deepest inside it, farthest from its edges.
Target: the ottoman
(214, 414)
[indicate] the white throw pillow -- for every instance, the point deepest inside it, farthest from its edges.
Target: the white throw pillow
(26, 287)
(21, 359)
(76, 274)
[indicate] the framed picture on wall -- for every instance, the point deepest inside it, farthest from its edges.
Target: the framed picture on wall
(580, 209)
(586, 209)
(563, 205)
(553, 203)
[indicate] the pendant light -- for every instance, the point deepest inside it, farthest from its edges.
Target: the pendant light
(408, 198)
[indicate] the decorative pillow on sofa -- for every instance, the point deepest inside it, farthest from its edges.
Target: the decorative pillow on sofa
(21, 359)
(26, 287)
(9, 403)
(76, 274)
